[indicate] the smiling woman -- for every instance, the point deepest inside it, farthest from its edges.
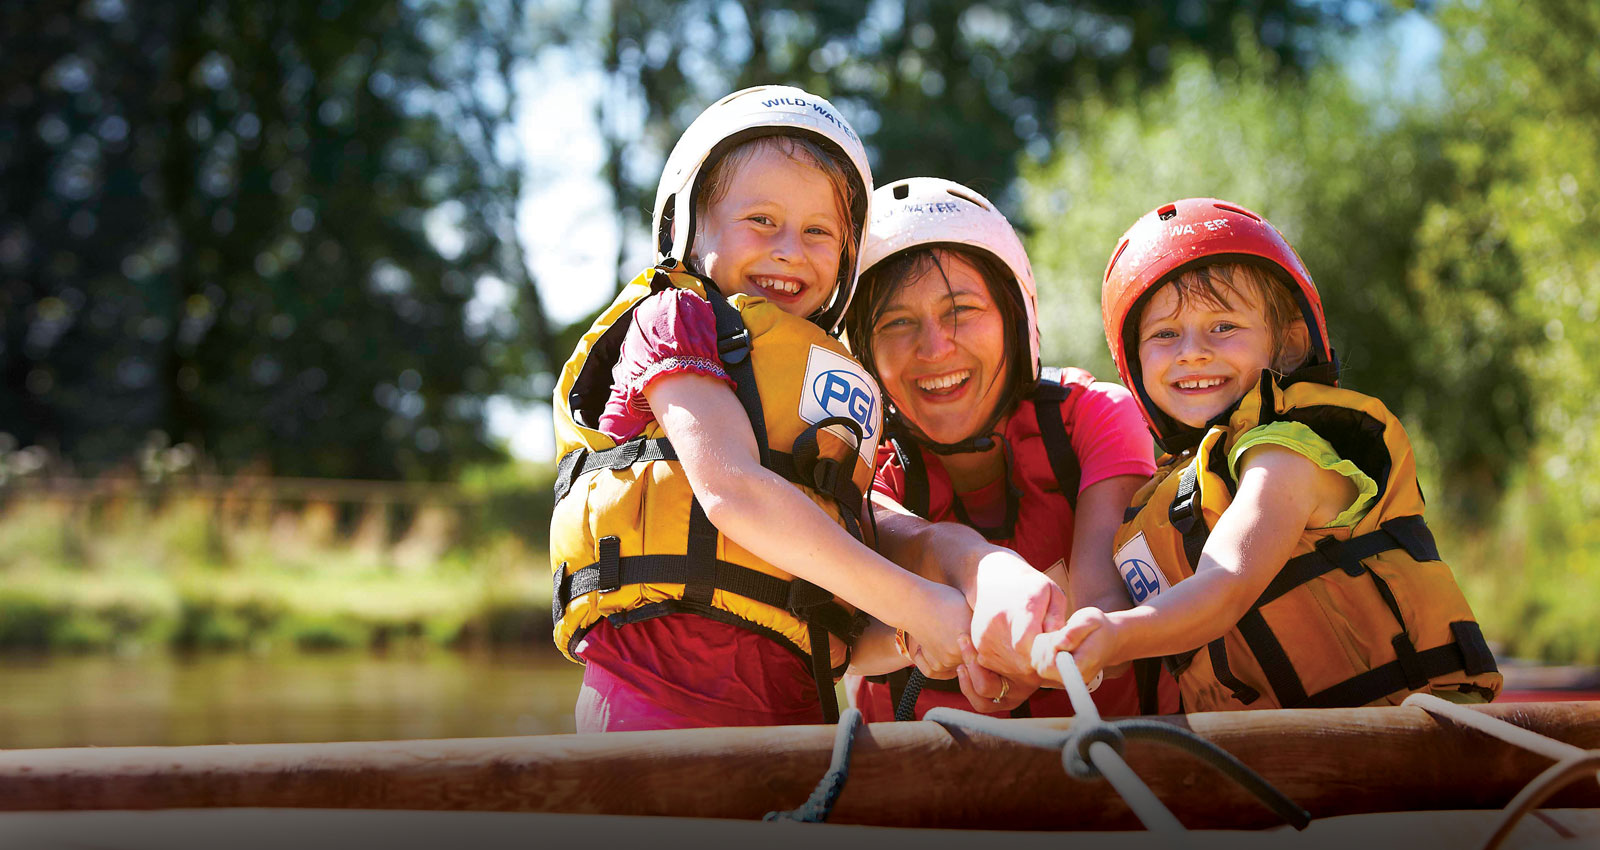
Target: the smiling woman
(1037, 463)
(939, 342)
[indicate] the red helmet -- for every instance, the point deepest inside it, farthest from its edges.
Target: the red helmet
(1174, 238)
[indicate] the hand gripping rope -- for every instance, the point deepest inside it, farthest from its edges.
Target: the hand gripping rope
(1090, 750)
(1571, 763)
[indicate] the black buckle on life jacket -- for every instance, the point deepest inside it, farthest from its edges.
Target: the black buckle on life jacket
(825, 474)
(1332, 548)
(630, 452)
(805, 596)
(735, 348)
(558, 599)
(567, 471)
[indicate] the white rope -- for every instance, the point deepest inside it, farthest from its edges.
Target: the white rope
(1511, 733)
(1571, 761)
(1146, 806)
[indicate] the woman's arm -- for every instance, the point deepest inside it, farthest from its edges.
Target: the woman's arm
(778, 523)
(1281, 493)
(1092, 580)
(1012, 603)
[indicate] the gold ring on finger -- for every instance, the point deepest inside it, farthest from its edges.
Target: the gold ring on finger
(1005, 687)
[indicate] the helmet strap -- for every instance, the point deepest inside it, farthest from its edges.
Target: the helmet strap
(990, 436)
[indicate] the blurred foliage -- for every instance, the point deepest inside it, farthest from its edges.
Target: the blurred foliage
(1448, 225)
(935, 87)
(1426, 294)
(257, 229)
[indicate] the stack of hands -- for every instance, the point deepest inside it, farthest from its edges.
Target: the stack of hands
(1019, 622)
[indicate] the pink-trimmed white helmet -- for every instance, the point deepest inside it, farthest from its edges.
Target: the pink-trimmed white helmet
(927, 211)
(733, 120)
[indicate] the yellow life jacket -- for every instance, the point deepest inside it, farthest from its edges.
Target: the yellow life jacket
(1358, 615)
(628, 539)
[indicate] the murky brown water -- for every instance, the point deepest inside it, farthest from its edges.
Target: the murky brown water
(65, 701)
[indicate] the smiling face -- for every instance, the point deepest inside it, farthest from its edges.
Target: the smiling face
(939, 350)
(776, 231)
(1197, 356)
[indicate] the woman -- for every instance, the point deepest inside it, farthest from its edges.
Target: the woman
(1040, 461)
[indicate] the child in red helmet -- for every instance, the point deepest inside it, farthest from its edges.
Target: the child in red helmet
(1279, 557)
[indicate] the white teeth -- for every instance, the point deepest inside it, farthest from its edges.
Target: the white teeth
(1199, 383)
(771, 284)
(944, 381)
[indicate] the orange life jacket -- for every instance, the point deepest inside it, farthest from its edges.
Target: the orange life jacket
(1358, 615)
(628, 539)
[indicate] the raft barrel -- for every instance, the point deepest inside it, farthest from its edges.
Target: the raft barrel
(1331, 761)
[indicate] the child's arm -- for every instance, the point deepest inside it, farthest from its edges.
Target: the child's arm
(1012, 603)
(778, 523)
(1281, 493)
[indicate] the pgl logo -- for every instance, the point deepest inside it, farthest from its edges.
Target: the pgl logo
(844, 393)
(1141, 578)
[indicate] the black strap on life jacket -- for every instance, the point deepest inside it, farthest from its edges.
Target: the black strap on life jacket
(1411, 670)
(733, 348)
(826, 476)
(1048, 395)
(1468, 653)
(809, 603)
(1147, 681)
(1185, 514)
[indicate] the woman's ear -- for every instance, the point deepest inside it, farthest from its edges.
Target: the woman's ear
(1294, 348)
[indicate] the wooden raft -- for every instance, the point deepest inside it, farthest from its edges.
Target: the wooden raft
(1333, 762)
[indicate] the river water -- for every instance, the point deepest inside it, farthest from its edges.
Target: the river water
(160, 699)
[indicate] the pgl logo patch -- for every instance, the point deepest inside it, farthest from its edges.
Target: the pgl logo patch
(835, 385)
(1138, 569)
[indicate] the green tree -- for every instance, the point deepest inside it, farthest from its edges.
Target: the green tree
(936, 87)
(1524, 84)
(258, 227)
(1359, 185)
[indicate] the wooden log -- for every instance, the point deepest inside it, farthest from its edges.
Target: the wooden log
(1333, 762)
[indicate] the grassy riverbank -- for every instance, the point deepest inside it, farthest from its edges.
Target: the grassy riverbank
(131, 574)
(137, 574)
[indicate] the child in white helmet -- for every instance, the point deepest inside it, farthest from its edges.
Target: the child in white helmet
(1279, 559)
(717, 440)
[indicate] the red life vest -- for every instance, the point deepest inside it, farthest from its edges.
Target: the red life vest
(1042, 480)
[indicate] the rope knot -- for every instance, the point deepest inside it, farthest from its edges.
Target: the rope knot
(1075, 755)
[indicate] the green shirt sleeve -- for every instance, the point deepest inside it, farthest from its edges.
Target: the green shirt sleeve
(1297, 437)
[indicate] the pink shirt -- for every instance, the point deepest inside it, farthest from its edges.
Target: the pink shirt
(673, 332)
(1110, 438)
(680, 670)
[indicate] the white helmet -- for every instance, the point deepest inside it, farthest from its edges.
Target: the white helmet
(739, 117)
(930, 211)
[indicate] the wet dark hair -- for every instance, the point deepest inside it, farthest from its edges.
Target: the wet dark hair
(879, 284)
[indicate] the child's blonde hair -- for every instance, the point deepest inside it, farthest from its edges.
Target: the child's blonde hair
(1210, 285)
(800, 149)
